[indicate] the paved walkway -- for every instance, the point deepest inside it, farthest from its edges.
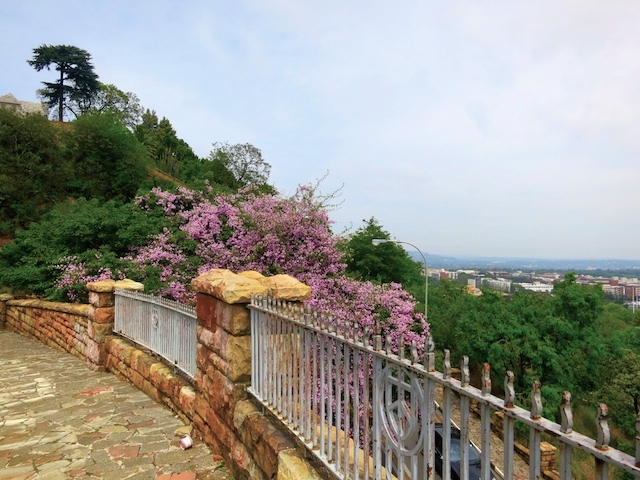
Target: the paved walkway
(60, 420)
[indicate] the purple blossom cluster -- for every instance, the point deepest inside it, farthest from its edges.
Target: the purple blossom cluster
(266, 233)
(74, 274)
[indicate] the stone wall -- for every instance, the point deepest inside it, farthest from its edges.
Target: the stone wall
(60, 325)
(217, 403)
(224, 416)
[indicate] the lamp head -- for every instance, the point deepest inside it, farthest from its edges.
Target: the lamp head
(378, 241)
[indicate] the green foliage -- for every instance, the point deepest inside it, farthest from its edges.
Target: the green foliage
(77, 81)
(96, 233)
(108, 160)
(168, 151)
(577, 303)
(32, 169)
(556, 339)
(385, 263)
(125, 106)
(244, 161)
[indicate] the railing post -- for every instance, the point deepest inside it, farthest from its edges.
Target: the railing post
(485, 421)
(4, 297)
(101, 317)
(224, 368)
(509, 399)
(534, 435)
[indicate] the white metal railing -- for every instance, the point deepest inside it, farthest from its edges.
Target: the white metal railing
(369, 414)
(166, 327)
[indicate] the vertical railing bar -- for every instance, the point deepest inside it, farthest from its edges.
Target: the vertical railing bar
(429, 417)
(330, 396)
(322, 397)
(534, 454)
(313, 391)
(339, 390)
(367, 413)
(377, 424)
(302, 409)
(401, 392)
(310, 385)
(446, 433)
(464, 437)
(508, 446)
(356, 413)
(565, 461)
(346, 358)
(485, 441)
(602, 470)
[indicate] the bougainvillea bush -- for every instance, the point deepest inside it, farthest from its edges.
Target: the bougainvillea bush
(252, 231)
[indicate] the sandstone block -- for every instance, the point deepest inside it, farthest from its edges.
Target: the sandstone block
(104, 286)
(285, 287)
(292, 466)
(228, 286)
(102, 314)
(99, 331)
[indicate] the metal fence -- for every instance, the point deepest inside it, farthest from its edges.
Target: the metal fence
(369, 414)
(167, 328)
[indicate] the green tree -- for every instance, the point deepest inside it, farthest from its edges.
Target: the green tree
(578, 303)
(244, 161)
(33, 171)
(125, 106)
(168, 151)
(386, 263)
(97, 233)
(77, 82)
(108, 160)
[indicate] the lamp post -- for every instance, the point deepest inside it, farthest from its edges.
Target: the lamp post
(378, 241)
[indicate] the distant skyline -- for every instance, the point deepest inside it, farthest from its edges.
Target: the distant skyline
(494, 129)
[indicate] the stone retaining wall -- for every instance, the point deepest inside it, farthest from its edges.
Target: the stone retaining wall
(217, 403)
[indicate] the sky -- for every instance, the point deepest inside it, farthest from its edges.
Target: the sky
(493, 128)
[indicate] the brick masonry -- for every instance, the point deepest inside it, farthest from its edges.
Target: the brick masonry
(217, 403)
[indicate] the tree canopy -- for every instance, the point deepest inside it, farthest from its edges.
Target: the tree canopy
(244, 161)
(125, 106)
(386, 263)
(77, 82)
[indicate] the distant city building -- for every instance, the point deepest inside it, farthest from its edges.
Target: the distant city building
(537, 287)
(10, 102)
(474, 282)
(499, 284)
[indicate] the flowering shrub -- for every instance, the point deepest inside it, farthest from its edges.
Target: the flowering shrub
(75, 275)
(266, 233)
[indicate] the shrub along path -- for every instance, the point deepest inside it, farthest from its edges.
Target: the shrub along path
(60, 420)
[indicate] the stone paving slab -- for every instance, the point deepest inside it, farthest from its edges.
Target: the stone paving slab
(59, 420)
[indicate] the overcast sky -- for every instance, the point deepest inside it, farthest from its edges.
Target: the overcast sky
(493, 128)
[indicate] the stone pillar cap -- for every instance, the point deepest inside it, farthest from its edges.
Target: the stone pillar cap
(104, 286)
(238, 288)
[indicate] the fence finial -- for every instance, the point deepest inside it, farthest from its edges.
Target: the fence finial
(377, 337)
(414, 351)
(509, 392)
(464, 371)
(602, 425)
(387, 346)
(430, 344)
(565, 413)
(401, 347)
(486, 379)
(447, 364)
(430, 356)
(536, 400)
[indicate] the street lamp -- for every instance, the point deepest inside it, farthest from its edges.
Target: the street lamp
(378, 241)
